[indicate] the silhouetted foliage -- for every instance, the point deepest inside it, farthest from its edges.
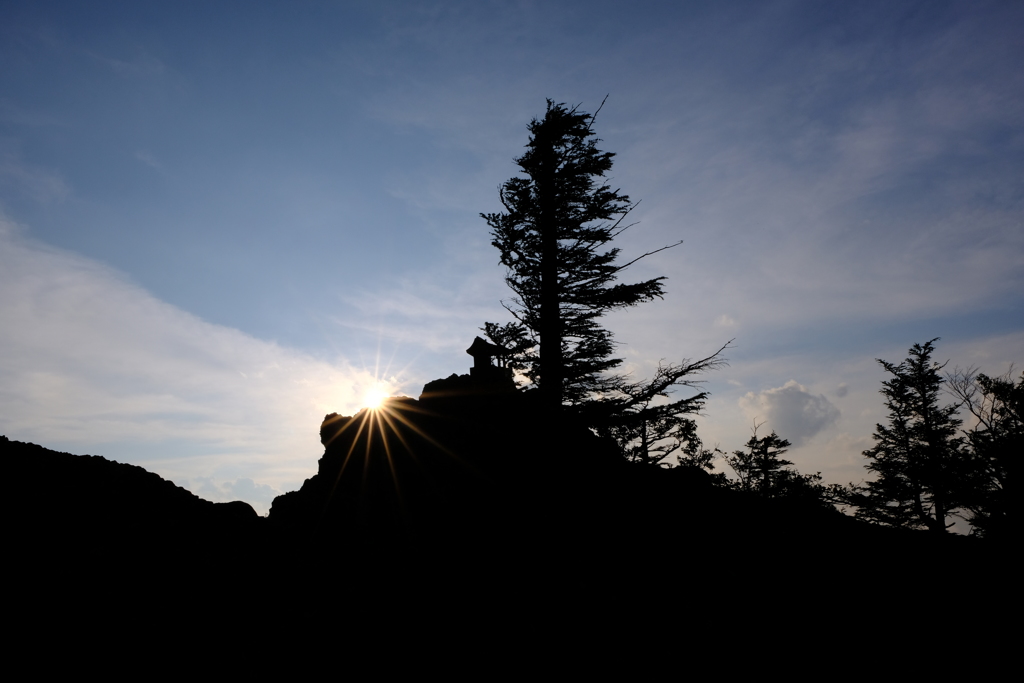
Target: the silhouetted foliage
(761, 469)
(759, 466)
(653, 435)
(513, 339)
(694, 454)
(553, 240)
(650, 429)
(997, 446)
(924, 474)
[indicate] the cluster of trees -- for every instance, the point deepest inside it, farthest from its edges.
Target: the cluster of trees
(553, 238)
(927, 468)
(995, 446)
(761, 470)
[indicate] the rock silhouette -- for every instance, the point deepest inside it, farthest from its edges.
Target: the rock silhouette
(468, 500)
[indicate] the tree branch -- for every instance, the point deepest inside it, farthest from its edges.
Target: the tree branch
(650, 253)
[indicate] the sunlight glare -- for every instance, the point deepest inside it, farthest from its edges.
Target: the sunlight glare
(375, 396)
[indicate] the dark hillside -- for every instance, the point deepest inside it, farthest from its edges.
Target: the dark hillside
(76, 492)
(466, 501)
(90, 536)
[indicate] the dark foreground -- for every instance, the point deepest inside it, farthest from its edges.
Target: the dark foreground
(465, 514)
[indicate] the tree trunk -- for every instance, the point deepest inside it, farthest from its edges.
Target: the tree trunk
(552, 363)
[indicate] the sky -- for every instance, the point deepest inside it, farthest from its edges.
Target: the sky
(220, 221)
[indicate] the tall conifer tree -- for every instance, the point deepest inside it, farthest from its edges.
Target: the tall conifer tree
(923, 473)
(553, 237)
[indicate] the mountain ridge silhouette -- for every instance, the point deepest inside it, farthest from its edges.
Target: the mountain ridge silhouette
(469, 500)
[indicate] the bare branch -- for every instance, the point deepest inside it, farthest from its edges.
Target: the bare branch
(650, 253)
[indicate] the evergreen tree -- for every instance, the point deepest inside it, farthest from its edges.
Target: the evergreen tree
(996, 445)
(759, 466)
(553, 239)
(649, 430)
(761, 470)
(923, 473)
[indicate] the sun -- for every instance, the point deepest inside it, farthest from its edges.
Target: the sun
(375, 396)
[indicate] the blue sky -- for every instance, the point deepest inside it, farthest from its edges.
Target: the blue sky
(220, 221)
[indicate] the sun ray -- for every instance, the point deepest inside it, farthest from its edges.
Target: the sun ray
(391, 424)
(398, 416)
(344, 464)
(370, 419)
(351, 421)
(385, 413)
(412, 426)
(390, 458)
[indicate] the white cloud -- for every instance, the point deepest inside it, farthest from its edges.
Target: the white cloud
(89, 360)
(792, 411)
(260, 496)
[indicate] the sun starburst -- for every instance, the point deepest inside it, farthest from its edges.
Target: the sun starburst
(376, 395)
